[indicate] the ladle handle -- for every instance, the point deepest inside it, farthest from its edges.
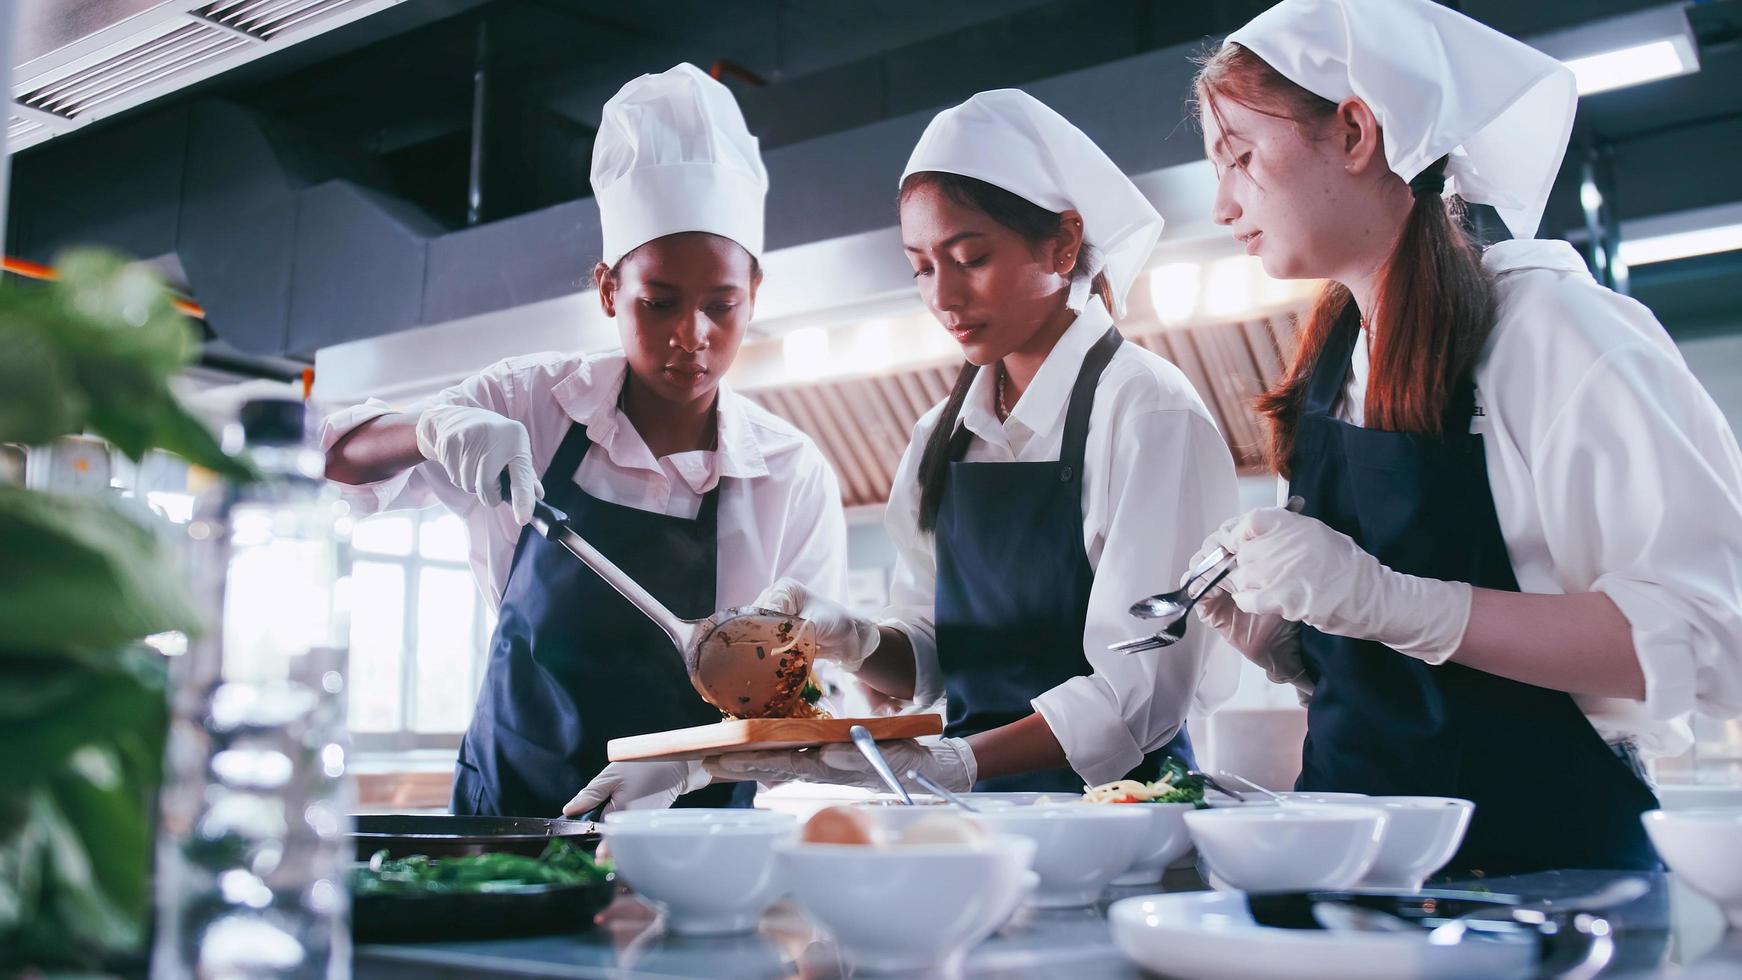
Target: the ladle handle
(554, 524)
(868, 748)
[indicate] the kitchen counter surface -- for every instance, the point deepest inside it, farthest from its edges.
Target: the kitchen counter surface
(1670, 932)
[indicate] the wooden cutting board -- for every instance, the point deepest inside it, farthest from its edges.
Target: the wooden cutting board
(753, 734)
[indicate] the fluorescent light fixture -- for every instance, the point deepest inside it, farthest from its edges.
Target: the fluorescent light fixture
(1681, 245)
(1632, 49)
(1678, 235)
(1173, 291)
(1634, 65)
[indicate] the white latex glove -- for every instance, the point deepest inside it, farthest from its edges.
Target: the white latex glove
(840, 636)
(474, 446)
(949, 761)
(1305, 571)
(638, 786)
(1269, 641)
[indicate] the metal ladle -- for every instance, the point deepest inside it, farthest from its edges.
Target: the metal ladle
(1171, 608)
(733, 658)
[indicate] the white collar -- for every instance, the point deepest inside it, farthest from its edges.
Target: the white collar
(1533, 253)
(1042, 405)
(589, 397)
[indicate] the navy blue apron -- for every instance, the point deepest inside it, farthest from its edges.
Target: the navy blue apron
(574, 665)
(1013, 585)
(1548, 792)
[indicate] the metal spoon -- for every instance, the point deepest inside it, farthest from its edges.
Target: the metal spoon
(1210, 781)
(734, 658)
(1171, 608)
(1234, 775)
(868, 748)
(936, 788)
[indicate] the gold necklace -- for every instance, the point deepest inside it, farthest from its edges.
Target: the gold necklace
(998, 393)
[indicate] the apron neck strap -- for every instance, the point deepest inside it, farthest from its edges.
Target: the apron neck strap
(568, 456)
(1331, 370)
(1082, 403)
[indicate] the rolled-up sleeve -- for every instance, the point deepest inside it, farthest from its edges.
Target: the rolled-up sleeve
(1639, 481)
(496, 388)
(1169, 483)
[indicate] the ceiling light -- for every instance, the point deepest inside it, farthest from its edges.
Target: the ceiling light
(1681, 245)
(1631, 49)
(1633, 65)
(1681, 235)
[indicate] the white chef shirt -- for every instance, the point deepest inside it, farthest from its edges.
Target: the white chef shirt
(779, 513)
(1612, 471)
(1158, 478)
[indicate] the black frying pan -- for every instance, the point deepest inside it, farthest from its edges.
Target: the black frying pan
(443, 835)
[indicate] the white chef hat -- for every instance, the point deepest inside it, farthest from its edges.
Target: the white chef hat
(1010, 139)
(1439, 83)
(672, 155)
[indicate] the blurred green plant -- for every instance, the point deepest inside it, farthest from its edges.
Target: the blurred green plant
(83, 580)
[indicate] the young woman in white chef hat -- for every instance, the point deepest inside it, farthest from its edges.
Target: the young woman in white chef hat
(1520, 561)
(699, 495)
(1067, 473)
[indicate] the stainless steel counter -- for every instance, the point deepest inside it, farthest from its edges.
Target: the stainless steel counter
(1670, 932)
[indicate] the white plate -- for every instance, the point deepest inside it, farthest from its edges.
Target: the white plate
(1212, 936)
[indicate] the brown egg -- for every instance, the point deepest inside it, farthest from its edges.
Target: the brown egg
(841, 825)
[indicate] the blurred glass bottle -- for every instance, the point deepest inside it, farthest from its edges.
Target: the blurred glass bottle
(252, 850)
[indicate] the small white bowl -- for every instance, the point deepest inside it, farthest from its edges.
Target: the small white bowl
(912, 907)
(1703, 847)
(1421, 835)
(1166, 841)
(712, 871)
(895, 819)
(1254, 798)
(1080, 847)
(1288, 848)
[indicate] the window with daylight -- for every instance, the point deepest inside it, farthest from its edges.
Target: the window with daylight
(419, 631)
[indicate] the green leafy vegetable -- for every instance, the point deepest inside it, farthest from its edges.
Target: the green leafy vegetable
(562, 863)
(83, 704)
(1185, 788)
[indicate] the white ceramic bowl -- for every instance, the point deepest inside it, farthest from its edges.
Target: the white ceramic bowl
(895, 819)
(1288, 848)
(1421, 835)
(1080, 847)
(907, 908)
(1703, 847)
(1165, 842)
(712, 871)
(1254, 798)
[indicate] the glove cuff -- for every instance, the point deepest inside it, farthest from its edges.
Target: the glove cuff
(867, 635)
(966, 771)
(1439, 613)
(427, 427)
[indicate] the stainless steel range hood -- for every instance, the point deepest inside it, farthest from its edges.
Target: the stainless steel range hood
(76, 62)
